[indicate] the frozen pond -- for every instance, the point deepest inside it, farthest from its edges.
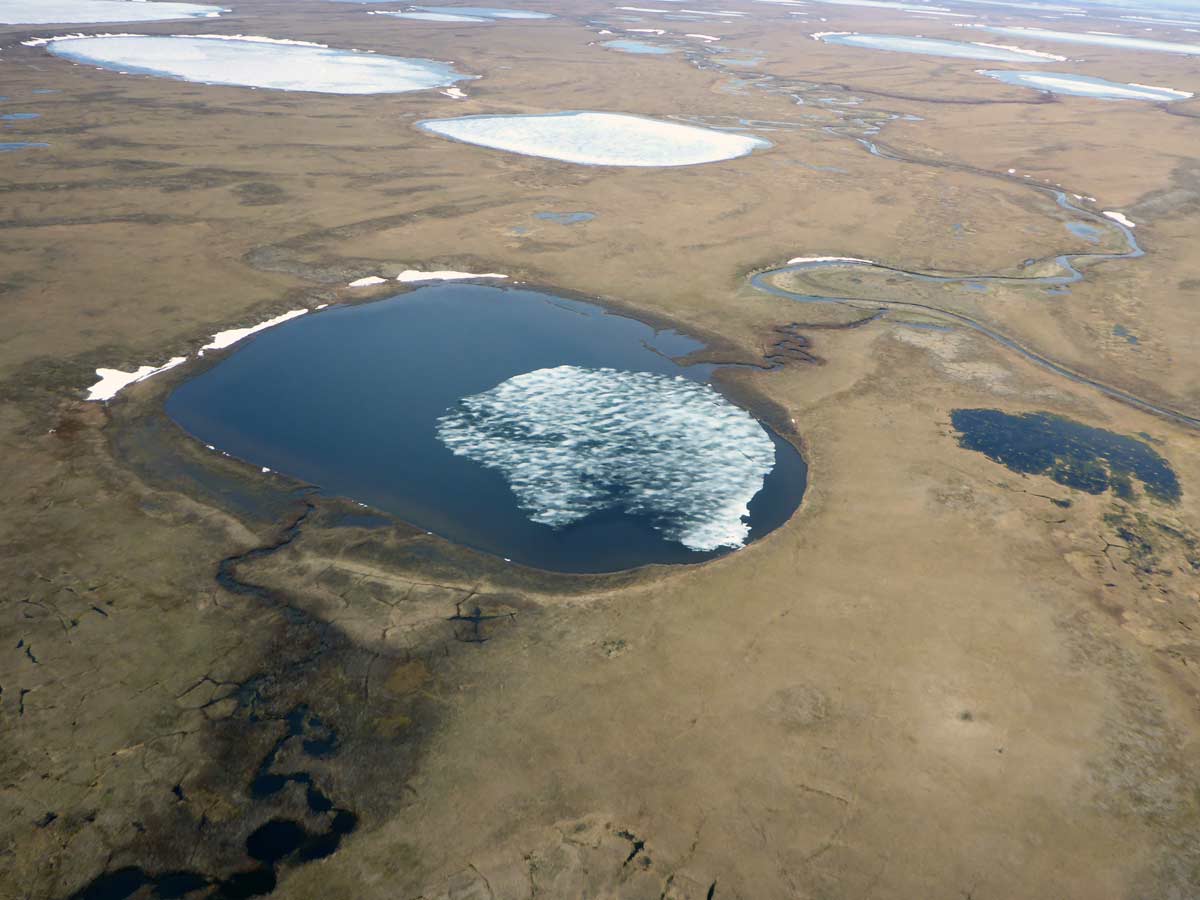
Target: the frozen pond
(431, 16)
(75, 12)
(486, 12)
(630, 46)
(531, 426)
(597, 138)
(1096, 40)
(259, 63)
(934, 47)
(1085, 86)
(476, 14)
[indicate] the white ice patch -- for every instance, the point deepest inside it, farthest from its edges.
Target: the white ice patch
(367, 282)
(112, 381)
(412, 275)
(597, 138)
(571, 441)
(223, 339)
(250, 61)
(1119, 217)
(707, 38)
(98, 12)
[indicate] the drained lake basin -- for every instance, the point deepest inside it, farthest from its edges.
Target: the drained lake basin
(534, 427)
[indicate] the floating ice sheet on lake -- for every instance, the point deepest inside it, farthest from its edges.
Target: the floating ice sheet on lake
(572, 441)
(1095, 39)
(597, 138)
(933, 47)
(93, 12)
(1085, 86)
(249, 61)
(411, 276)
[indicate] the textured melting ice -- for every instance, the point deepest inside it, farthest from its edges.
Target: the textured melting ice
(77, 12)
(597, 138)
(258, 62)
(1086, 86)
(573, 441)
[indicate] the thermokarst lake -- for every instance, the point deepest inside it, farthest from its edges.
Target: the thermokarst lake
(77, 12)
(534, 427)
(597, 138)
(257, 62)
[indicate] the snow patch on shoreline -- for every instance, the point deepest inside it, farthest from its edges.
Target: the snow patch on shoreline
(113, 381)
(367, 282)
(1119, 217)
(797, 260)
(408, 276)
(223, 339)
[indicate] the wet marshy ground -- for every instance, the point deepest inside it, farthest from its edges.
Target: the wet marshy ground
(1078, 456)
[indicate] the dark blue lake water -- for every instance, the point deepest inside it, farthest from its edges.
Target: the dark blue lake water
(350, 399)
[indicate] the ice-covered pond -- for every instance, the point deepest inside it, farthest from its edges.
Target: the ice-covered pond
(94, 12)
(934, 47)
(258, 62)
(1085, 86)
(597, 138)
(1094, 39)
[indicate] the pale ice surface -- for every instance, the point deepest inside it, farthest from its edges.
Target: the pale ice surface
(429, 16)
(113, 381)
(932, 47)
(412, 275)
(486, 12)
(1085, 86)
(572, 441)
(597, 138)
(1119, 217)
(223, 339)
(76, 12)
(367, 282)
(249, 61)
(1096, 40)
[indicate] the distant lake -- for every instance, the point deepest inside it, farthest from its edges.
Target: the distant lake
(1086, 86)
(935, 47)
(527, 425)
